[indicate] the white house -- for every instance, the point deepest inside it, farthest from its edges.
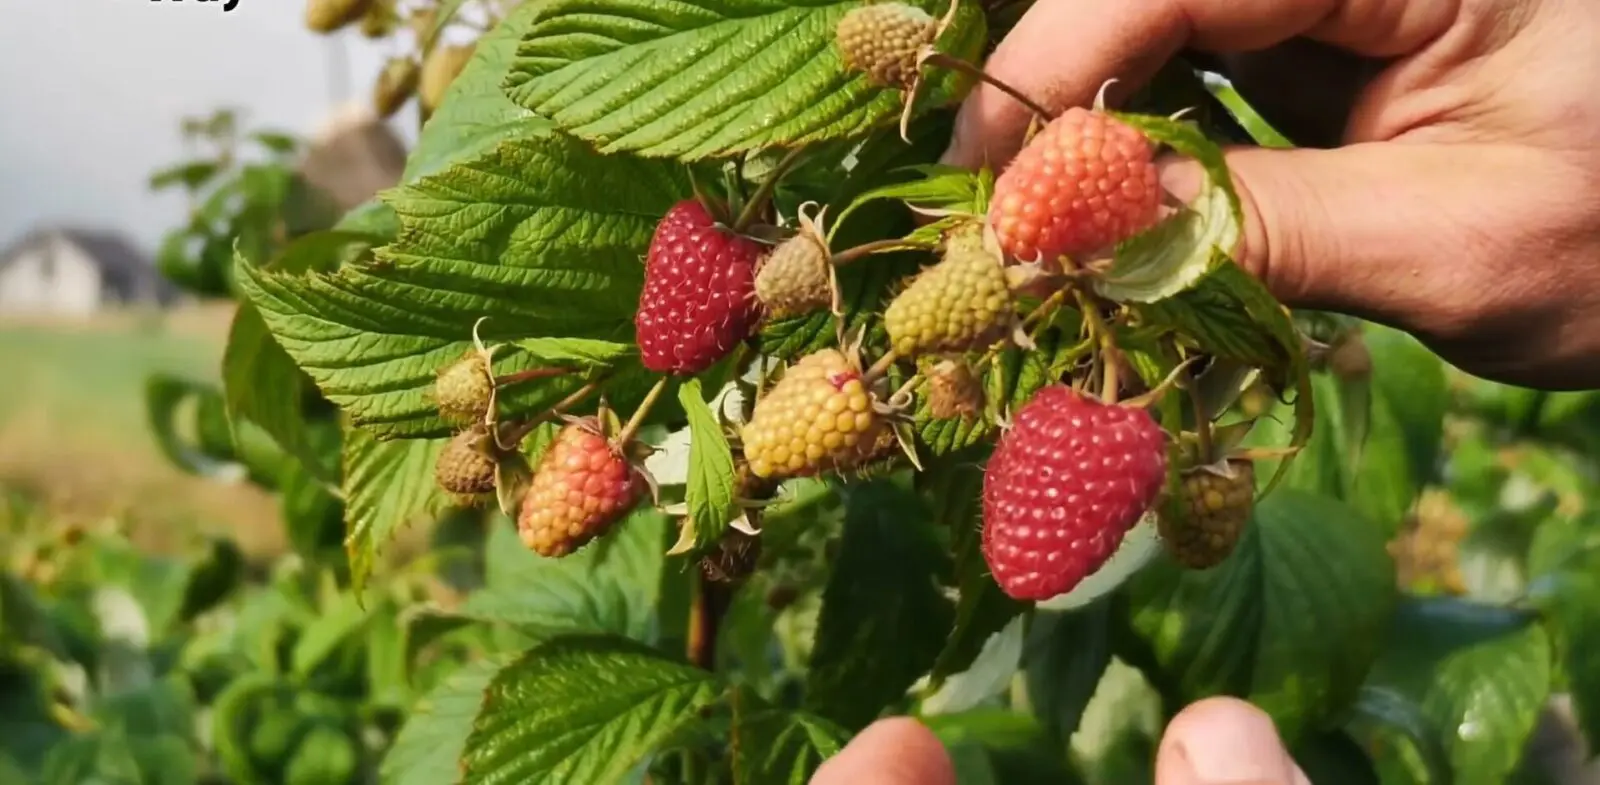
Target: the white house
(73, 272)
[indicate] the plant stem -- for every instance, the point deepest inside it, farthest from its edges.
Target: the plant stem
(514, 436)
(637, 420)
(1110, 384)
(957, 64)
(711, 601)
(758, 200)
(879, 368)
(1202, 421)
(867, 249)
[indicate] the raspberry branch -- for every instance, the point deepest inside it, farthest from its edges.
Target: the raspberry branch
(942, 60)
(864, 250)
(1100, 332)
(516, 433)
(637, 420)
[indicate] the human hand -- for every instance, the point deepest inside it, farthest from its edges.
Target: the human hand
(1465, 204)
(1213, 741)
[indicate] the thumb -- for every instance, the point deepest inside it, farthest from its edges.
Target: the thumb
(1224, 740)
(1363, 229)
(893, 751)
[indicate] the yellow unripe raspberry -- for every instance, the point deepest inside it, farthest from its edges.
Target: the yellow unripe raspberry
(819, 417)
(961, 303)
(883, 40)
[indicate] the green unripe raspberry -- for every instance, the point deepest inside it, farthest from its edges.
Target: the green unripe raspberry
(882, 40)
(1216, 507)
(961, 303)
(464, 389)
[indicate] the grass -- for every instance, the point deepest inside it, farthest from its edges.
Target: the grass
(73, 430)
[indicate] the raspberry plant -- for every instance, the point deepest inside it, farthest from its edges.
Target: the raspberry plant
(759, 529)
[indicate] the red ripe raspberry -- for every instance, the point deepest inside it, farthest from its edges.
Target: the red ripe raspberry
(581, 487)
(1084, 183)
(698, 300)
(1064, 485)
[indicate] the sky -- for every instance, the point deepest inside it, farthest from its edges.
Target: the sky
(93, 91)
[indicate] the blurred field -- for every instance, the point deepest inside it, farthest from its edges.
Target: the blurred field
(73, 429)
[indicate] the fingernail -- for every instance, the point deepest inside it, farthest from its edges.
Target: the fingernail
(1252, 755)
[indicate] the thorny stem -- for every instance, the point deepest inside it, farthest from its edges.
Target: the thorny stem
(529, 375)
(1109, 391)
(849, 255)
(943, 60)
(637, 420)
(758, 200)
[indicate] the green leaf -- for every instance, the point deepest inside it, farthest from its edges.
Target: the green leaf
(883, 618)
(1253, 123)
(190, 175)
(276, 142)
(1480, 673)
(1570, 600)
(710, 492)
(1008, 382)
(710, 77)
(581, 710)
(1178, 252)
(165, 396)
(1291, 621)
(988, 676)
(776, 747)
(1411, 381)
(1393, 726)
(213, 578)
(262, 384)
(475, 114)
(1065, 656)
(1231, 314)
(97, 757)
(313, 518)
(941, 188)
(539, 235)
(609, 586)
(1334, 757)
(429, 746)
(386, 486)
(954, 488)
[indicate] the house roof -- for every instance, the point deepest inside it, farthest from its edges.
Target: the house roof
(127, 271)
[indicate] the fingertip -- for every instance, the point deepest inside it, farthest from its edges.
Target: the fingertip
(1224, 740)
(892, 751)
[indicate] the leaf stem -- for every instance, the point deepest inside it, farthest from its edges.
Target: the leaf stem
(637, 420)
(849, 255)
(943, 60)
(758, 200)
